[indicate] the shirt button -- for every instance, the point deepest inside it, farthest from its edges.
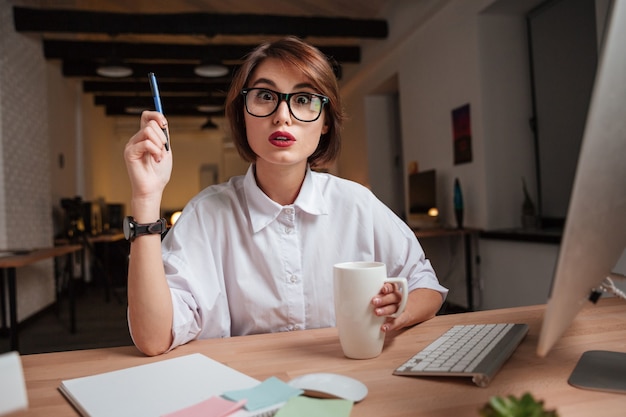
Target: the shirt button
(289, 210)
(293, 279)
(289, 230)
(296, 327)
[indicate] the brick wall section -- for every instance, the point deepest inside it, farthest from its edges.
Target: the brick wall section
(25, 201)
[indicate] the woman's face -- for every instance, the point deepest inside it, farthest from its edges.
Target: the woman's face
(280, 138)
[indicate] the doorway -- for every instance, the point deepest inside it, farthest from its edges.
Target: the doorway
(384, 146)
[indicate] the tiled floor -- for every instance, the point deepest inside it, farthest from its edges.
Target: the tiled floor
(98, 324)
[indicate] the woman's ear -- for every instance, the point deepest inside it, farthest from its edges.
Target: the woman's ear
(325, 129)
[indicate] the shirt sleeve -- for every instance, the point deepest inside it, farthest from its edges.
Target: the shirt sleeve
(398, 247)
(200, 306)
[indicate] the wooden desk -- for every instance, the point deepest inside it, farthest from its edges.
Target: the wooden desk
(13, 259)
(467, 234)
(287, 355)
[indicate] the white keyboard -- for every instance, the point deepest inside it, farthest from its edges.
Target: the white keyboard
(470, 350)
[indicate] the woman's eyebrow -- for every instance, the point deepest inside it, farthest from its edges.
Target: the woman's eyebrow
(304, 85)
(273, 84)
(264, 81)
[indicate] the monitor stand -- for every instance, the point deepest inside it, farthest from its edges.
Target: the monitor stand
(600, 370)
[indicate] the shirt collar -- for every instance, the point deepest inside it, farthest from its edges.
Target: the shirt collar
(263, 210)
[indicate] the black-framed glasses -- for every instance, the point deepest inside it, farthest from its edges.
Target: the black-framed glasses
(303, 106)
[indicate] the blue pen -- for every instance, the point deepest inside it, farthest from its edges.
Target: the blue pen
(157, 103)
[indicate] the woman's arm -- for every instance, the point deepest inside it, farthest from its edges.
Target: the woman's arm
(149, 167)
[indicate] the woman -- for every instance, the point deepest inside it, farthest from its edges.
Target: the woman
(255, 254)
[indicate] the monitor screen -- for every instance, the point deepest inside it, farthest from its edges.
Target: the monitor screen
(422, 192)
(595, 229)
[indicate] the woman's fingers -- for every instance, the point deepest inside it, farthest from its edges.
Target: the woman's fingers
(157, 125)
(147, 116)
(387, 301)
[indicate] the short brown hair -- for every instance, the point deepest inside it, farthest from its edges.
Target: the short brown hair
(313, 64)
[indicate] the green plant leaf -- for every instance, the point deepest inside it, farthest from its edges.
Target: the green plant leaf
(511, 406)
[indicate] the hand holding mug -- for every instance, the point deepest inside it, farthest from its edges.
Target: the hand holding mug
(355, 285)
(387, 303)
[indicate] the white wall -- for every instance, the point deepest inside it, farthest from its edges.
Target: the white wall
(66, 159)
(507, 109)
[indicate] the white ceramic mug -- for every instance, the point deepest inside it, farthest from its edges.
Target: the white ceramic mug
(355, 284)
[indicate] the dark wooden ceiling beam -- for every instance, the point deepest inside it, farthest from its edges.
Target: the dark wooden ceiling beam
(140, 70)
(209, 24)
(85, 50)
(169, 102)
(212, 85)
(64, 49)
(186, 112)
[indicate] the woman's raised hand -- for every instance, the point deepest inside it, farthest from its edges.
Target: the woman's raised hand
(148, 162)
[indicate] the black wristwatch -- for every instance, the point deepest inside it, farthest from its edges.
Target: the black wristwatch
(133, 230)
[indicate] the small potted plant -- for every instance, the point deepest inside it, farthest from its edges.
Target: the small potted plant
(511, 406)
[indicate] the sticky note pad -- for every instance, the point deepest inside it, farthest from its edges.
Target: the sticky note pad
(315, 407)
(269, 392)
(213, 407)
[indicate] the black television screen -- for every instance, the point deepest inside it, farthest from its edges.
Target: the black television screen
(422, 192)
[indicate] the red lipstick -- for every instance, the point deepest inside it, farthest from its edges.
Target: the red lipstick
(282, 139)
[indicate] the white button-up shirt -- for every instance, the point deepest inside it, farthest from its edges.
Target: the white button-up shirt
(238, 263)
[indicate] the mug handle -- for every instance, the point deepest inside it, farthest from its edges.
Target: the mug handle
(404, 289)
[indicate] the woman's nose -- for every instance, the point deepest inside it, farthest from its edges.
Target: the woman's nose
(282, 114)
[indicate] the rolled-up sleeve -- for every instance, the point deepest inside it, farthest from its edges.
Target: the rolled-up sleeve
(399, 248)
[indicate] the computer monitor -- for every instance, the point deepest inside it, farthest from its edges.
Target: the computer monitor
(595, 229)
(423, 199)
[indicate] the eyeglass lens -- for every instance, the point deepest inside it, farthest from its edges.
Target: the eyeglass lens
(305, 107)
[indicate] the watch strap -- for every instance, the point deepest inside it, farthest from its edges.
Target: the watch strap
(155, 228)
(143, 229)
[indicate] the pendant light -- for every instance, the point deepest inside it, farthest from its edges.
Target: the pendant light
(210, 70)
(114, 67)
(209, 125)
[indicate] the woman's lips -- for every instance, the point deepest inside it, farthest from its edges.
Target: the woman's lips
(282, 139)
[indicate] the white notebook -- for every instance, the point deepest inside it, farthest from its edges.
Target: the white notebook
(157, 388)
(13, 396)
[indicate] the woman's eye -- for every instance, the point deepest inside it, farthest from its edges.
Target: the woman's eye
(265, 96)
(303, 99)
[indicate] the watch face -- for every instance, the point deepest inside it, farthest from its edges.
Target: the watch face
(128, 228)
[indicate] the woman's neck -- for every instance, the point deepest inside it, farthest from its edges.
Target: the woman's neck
(280, 183)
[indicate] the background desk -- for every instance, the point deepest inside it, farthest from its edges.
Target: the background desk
(8, 266)
(287, 355)
(107, 241)
(99, 248)
(467, 234)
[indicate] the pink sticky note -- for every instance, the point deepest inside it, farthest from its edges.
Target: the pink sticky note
(213, 407)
